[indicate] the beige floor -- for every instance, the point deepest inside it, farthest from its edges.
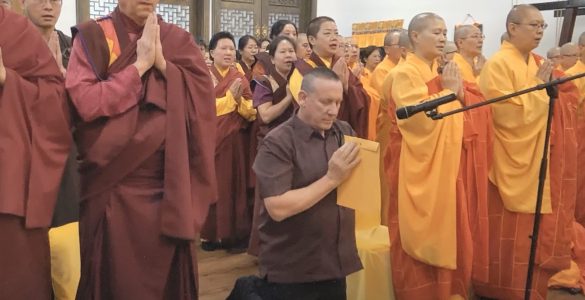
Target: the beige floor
(219, 270)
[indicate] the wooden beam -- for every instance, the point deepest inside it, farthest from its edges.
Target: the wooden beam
(568, 25)
(559, 4)
(561, 13)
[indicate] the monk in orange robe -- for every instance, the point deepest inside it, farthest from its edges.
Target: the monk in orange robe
(477, 147)
(393, 56)
(36, 139)
(431, 245)
(579, 68)
(387, 133)
(519, 129)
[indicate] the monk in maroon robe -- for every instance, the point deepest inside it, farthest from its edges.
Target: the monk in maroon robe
(229, 220)
(146, 138)
(34, 145)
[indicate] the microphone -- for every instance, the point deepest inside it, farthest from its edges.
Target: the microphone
(406, 112)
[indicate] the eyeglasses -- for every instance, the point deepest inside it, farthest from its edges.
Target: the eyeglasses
(52, 2)
(476, 37)
(570, 55)
(535, 26)
(355, 46)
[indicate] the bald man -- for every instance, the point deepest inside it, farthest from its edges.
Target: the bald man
(431, 246)
(449, 50)
(554, 55)
(469, 42)
(303, 47)
(579, 68)
(569, 55)
(392, 49)
(478, 147)
(519, 129)
(388, 134)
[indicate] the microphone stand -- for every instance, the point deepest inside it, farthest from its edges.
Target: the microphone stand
(552, 92)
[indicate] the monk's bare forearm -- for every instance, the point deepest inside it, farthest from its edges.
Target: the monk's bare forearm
(296, 201)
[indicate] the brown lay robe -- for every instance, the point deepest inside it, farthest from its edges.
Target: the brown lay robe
(354, 108)
(230, 218)
(147, 169)
(34, 143)
(275, 97)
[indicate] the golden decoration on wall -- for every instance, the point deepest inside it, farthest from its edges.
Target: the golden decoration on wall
(372, 33)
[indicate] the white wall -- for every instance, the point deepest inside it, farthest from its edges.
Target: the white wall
(492, 13)
(68, 16)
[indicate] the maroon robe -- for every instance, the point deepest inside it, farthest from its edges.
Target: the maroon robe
(34, 145)
(356, 101)
(260, 98)
(147, 168)
(229, 218)
(247, 71)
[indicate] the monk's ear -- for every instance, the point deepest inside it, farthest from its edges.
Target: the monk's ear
(312, 40)
(302, 98)
(414, 37)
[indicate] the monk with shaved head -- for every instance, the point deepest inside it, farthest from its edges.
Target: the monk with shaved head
(469, 42)
(430, 231)
(579, 68)
(519, 132)
(392, 49)
(569, 55)
(554, 55)
(387, 133)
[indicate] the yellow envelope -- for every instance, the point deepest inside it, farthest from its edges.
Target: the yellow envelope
(361, 191)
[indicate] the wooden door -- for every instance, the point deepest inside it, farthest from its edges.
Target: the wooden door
(239, 17)
(297, 11)
(255, 17)
(179, 12)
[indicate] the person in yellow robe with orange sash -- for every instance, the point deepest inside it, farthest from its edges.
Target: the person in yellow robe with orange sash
(388, 134)
(431, 246)
(477, 147)
(579, 68)
(519, 132)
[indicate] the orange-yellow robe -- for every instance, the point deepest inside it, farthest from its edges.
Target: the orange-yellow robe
(519, 128)
(579, 68)
(366, 79)
(430, 235)
(477, 149)
(380, 73)
(387, 132)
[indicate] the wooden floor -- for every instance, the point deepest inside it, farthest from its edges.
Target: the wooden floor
(219, 270)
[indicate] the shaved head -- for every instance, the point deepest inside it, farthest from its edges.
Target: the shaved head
(428, 34)
(463, 31)
(569, 55)
(422, 21)
(404, 40)
(568, 48)
(505, 37)
(391, 38)
(519, 13)
(449, 47)
(525, 26)
(552, 52)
